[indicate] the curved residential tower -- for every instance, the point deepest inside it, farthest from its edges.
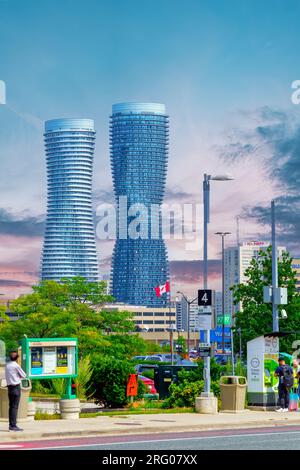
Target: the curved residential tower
(69, 246)
(139, 151)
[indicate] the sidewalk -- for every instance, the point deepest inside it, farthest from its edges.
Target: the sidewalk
(138, 424)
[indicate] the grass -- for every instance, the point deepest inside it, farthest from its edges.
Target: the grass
(44, 396)
(137, 408)
(125, 413)
(118, 414)
(45, 416)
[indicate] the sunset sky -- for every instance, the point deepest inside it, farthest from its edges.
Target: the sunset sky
(224, 70)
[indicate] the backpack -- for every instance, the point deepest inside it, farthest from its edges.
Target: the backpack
(288, 377)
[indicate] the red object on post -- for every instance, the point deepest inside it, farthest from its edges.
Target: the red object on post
(132, 386)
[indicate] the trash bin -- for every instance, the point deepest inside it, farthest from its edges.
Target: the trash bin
(233, 392)
(23, 406)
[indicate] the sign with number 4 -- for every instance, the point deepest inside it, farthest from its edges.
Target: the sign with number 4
(204, 297)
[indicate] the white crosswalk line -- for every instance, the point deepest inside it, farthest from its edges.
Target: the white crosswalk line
(10, 446)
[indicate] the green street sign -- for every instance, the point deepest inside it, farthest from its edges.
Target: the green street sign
(227, 320)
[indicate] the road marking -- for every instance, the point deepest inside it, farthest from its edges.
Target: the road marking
(167, 440)
(10, 446)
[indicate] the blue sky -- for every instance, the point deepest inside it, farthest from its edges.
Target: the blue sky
(215, 64)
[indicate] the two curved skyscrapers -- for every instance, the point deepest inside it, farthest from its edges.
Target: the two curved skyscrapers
(139, 152)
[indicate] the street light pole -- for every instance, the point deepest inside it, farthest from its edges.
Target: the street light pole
(206, 190)
(188, 303)
(206, 220)
(223, 235)
(274, 270)
(188, 329)
(240, 337)
(170, 328)
(206, 333)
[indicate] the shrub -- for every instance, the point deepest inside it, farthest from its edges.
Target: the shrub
(109, 380)
(190, 384)
(148, 373)
(183, 394)
(83, 380)
(58, 387)
(141, 390)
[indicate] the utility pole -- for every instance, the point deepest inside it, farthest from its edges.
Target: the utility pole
(274, 270)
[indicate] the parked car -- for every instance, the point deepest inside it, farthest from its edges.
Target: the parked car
(157, 358)
(168, 358)
(138, 358)
(187, 362)
(149, 383)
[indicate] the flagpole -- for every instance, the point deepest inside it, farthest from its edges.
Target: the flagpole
(161, 290)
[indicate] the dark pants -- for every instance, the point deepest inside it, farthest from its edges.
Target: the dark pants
(284, 396)
(14, 394)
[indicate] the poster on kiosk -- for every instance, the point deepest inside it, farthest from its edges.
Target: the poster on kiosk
(262, 360)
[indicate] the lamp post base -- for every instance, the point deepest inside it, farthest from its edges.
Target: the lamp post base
(69, 409)
(207, 403)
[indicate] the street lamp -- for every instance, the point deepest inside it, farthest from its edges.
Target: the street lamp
(206, 194)
(223, 235)
(206, 219)
(188, 302)
(171, 330)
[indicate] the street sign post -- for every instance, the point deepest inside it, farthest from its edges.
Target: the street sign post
(204, 349)
(204, 297)
(132, 386)
(226, 319)
(205, 321)
(206, 312)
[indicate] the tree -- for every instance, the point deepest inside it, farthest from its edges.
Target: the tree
(255, 316)
(73, 308)
(181, 345)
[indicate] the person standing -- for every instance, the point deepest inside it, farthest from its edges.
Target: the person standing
(296, 375)
(13, 374)
(284, 372)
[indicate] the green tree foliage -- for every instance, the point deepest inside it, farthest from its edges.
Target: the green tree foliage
(190, 384)
(182, 343)
(255, 317)
(73, 308)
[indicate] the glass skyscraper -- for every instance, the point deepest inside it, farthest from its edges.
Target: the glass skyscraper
(69, 245)
(139, 152)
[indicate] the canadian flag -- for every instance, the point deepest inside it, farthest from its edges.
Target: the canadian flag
(163, 289)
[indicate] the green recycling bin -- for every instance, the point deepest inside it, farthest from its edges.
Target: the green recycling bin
(23, 406)
(233, 392)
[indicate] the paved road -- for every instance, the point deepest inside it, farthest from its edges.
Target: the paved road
(286, 437)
